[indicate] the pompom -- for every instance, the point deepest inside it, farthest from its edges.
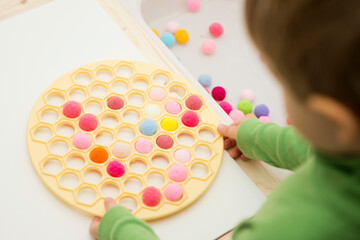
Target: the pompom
(173, 107)
(245, 106)
(88, 122)
(155, 31)
(143, 146)
(265, 119)
(177, 172)
(208, 46)
(247, 94)
(236, 115)
(164, 142)
(168, 39)
(205, 80)
(193, 5)
(190, 119)
(115, 103)
(182, 155)
(151, 196)
(173, 192)
(169, 124)
(115, 169)
(182, 36)
(193, 102)
(216, 29)
(148, 127)
(121, 150)
(82, 140)
(72, 109)
(157, 94)
(152, 111)
(99, 155)
(218, 93)
(261, 110)
(172, 27)
(226, 106)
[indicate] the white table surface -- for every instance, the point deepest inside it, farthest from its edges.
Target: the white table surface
(37, 47)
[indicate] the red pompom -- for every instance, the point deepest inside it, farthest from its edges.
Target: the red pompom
(115, 169)
(190, 119)
(193, 102)
(88, 122)
(226, 106)
(164, 142)
(72, 109)
(115, 103)
(216, 29)
(218, 93)
(151, 196)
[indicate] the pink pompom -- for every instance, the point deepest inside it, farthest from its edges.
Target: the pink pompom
(236, 115)
(193, 102)
(173, 192)
(115, 103)
(177, 173)
(164, 142)
(193, 5)
(208, 46)
(172, 27)
(157, 94)
(216, 29)
(115, 169)
(190, 119)
(247, 94)
(218, 93)
(182, 155)
(151, 196)
(82, 140)
(143, 146)
(265, 119)
(226, 106)
(88, 122)
(172, 107)
(72, 109)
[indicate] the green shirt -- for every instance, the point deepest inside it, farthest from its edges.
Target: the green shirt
(320, 200)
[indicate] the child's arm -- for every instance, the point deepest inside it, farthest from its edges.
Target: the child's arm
(279, 146)
(120, 223)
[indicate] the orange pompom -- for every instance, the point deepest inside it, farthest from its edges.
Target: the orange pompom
(99, 155)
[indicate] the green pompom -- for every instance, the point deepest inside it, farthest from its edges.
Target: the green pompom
(245, 106)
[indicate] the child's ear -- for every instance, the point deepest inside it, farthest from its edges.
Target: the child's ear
(338, 113)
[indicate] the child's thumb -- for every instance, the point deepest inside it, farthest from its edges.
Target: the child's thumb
(109, 203)
(228, 131)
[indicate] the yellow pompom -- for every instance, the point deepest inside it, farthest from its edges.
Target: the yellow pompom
(169, 124)
(155, 31)
(181, 36)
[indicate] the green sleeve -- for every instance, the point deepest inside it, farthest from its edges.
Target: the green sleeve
(120, 223)
(279, 146)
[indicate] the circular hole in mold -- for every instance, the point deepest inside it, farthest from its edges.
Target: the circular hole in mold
(99, 91)
(177, 91)
(55, 99)
(133, 185)
(155, 179)
(128, 203)
(119, 87)
(78, 95)
(160, 161)
(131, 116)
(186, 138)
(202, 151)
(75, 161)
(86, 195)
(59, 147)
(136, 100)
(161, 80)
(83, 79)
(199, 170)
(126, 134)
(69, 181)
(104, 75)
(138, 166)
(104, 138)
(140, 83)
(92, 176)
(109, 120)
(124, 71)
(52, 166)
(49, 116)
(110, 190)
(93, 107)
(207, 134)
(65, 129)
(43, 134)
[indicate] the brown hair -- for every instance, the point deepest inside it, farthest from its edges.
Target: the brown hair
(312, 45)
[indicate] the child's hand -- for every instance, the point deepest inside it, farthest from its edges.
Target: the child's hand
(109, 203)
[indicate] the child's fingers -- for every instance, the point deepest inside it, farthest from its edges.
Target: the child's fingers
(228, 143)
(94, 227)
(242, 156)
(235, 152)
(109, 203)
(228, 131)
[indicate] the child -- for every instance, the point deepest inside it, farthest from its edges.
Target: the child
(313, 48)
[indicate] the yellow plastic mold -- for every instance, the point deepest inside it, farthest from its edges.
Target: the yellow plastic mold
(81, 183)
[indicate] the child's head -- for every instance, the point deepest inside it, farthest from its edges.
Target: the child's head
(313, 48)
